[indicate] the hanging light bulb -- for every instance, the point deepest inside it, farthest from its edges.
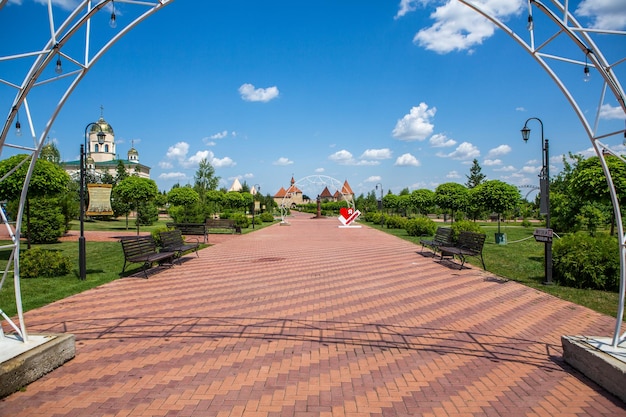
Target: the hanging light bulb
(113, 22)
(587, 75)
(59, 67)
(18, 126)
(531, 24)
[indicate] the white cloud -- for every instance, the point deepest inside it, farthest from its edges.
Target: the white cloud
(344, 157)
(498, 151)
(282, 161)
(198, 157)
(416, 125)
(609, 112)
(373, 178)
(222, 162)
(384, 153)
(453, 175)
(219, 135)
(173, 176)
(166, 165)
(319, 170)
(178, 151)
(508, 168)
(492, 162)
(529, 169)
(406, 6)
(407, 160)
(464, 151)
(250, 93)
(605, 14)
(441, 141)
(458, 28)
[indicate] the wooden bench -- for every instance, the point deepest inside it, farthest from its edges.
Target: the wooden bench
(222, 224)
(143, 249)
(172, 241)
(469, 244)
(195, 229)
(443, 237)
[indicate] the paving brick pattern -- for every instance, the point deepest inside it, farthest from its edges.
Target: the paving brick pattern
(313, 320)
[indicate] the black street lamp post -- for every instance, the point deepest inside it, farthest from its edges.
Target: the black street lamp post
(544, 203)
(82, 253)
(257, 188)
(380, 205)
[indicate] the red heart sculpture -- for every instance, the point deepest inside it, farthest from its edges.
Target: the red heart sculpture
(345, 212)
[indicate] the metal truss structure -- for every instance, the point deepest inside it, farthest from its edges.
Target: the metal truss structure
(557, 41)
(312, 183)
(70, 44)
(551, 34)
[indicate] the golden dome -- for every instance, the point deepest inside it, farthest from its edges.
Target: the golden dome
(104, 126)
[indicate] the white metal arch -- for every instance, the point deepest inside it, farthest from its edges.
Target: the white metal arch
(561, 23)
(558, 22)
(311, 181)
(80, 56)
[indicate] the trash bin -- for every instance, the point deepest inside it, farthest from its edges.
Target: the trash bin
(500, 238)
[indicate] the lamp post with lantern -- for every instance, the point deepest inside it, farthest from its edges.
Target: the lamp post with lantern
(84, 150)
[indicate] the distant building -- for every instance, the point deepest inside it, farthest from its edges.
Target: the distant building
(102, 157)
(236, 186)
(294, 196)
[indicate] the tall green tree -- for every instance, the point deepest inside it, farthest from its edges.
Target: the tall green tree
(137, 192)
(496, 196)
(451, 196)
(475, 177)
(205, 178)
(48, 181)
(423, 201)
(588, 182)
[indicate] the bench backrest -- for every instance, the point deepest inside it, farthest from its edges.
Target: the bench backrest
(443, 236)
(171, 238)
(220, 223)
(471, 241)
(189, 228)
(137, 246)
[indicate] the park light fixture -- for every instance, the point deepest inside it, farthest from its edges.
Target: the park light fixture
(544, 203)
(82, 253)
(59, 67)
(113, 22)
(18, 126)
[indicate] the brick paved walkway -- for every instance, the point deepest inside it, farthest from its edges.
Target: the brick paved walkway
(314, 320)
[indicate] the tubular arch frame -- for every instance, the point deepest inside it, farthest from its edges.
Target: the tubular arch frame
(77, 20)
(317, 180)
(557, 13)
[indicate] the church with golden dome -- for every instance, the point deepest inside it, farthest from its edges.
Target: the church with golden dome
(102, 156)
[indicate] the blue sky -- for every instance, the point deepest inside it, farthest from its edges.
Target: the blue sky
(369, 92)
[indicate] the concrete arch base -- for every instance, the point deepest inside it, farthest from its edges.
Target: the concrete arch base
(22, 363)
(597, 360)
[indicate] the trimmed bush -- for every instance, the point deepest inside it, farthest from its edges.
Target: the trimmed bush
(421, 226)
(267, 217)
(39, 262)
(465, 226)
(240, 220)
(46, 224)
(395, 222)
(373, 217)
(584, 261)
